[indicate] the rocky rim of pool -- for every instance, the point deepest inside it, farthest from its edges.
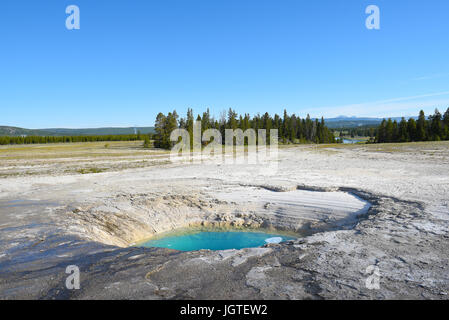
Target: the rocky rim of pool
(131, 219)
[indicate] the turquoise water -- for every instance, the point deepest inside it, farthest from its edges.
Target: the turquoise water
(351, 141)
(212, 240)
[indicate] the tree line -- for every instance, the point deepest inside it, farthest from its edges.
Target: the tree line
(4, 140)
(433, 128)
(291, 128)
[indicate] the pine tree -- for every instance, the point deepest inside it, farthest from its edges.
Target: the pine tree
(232, 121)
(446, 124)
(159, 127)
(292, 127)
(189, 125)
(411, 128)
(285, 127)
(435, 126)
(403, 132)
(421, 127)
(205, 121)
(389, 131)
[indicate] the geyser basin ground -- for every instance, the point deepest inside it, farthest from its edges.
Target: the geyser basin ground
(80, 219)
(215, 240)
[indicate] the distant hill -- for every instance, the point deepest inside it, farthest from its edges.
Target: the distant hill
(332, 123)
(15, 131)
(354, 122)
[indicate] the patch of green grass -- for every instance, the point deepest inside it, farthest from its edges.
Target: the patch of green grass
(90, 170)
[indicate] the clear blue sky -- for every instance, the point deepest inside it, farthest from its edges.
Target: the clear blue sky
(134, 58)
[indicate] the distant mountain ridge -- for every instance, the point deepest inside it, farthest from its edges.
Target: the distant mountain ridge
(354, 122)
(16, 131)
(332, 123)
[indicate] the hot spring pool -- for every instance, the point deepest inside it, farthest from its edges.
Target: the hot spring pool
(215, 240)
